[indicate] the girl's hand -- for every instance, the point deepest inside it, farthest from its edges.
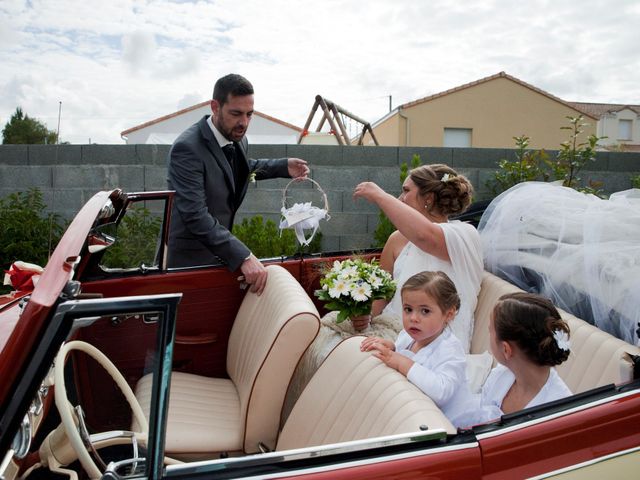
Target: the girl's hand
(393, 359)
(370, 343)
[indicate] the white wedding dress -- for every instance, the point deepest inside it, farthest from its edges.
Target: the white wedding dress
(579, 250)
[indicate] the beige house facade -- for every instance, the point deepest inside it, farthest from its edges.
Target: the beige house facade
(618, 124)
(486, 113)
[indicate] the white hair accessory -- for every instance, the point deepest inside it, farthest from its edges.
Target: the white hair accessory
(562, 340)
(447, 178)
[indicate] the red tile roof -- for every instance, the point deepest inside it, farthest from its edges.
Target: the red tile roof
(597, 110)
(195, 107)
(493, 77)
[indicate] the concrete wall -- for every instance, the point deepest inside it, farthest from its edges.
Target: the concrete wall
(68, 175)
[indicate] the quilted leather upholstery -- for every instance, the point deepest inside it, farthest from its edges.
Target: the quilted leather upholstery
(353, 396)
(269, 335)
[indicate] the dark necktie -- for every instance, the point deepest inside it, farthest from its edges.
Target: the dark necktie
(230, 152)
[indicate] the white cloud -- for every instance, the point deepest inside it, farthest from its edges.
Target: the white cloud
(138, 49)
(117, 64)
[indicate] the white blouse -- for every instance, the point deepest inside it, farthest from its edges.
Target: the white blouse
(439, 369)
(486, 405)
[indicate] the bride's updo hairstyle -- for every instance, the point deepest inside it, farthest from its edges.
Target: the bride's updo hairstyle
(533, 323)
(452, 191)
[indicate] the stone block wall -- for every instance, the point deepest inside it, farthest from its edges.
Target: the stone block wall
(68, 175)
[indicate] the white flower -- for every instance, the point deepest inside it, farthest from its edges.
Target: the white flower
(375, 281)
(562, 339)
(349, 271)
(252, 177)
(361, 292)
(446, 178)
(338, 289)
(337, 266)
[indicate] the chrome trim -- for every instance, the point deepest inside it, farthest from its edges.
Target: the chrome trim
(5, 463)
(22, 439)
(112, 469)
(322, 451)
(578, 466)
(563, 413)
(110, 435)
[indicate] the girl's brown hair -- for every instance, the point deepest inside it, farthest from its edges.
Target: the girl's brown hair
(530, 321)
(437, 285)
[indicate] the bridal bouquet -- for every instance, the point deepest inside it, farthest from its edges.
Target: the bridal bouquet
(351, 286)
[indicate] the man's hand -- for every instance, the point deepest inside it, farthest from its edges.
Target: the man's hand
(298, 168)
(255, 274)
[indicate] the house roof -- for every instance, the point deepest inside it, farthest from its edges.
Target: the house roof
(488, 79)
(195, 107)
(597, 110)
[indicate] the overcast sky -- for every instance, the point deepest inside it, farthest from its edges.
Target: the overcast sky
(117, 63)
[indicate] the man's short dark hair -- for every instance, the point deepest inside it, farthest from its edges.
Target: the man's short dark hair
(232, 84)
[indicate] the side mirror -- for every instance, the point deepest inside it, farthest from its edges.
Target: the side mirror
(99, 241)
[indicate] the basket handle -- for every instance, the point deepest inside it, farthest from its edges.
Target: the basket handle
(317, 185)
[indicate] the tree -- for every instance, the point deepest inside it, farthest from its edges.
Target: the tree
(21, 129)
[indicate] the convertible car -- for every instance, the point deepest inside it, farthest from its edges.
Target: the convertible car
(115, 366)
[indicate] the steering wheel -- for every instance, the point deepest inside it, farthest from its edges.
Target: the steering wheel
(70, 421)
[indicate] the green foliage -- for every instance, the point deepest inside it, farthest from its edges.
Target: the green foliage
(136, 242)
(385, 227)
(571, 158)
(27, 232)
(22, 129)
(265, 240)
(635, 181)
(574, 155)
(526, 167)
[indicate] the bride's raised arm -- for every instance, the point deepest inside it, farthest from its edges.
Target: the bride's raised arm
(407, 218)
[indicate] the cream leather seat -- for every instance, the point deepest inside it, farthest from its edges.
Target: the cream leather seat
(353, 396)
(212, 415)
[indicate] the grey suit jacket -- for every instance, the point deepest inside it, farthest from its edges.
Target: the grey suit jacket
(207, 198)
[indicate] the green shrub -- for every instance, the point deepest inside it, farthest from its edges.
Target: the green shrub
(385, 227)
(527, 166)
(265, 240)
(27, 233)
(136, 242)
(635, 181)
(574, 155)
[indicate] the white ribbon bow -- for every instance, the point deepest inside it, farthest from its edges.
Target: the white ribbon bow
(300, 217)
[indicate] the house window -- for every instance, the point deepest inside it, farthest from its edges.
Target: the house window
(457, 137)
(624, 129)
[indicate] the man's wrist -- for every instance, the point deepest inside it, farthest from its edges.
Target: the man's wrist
(248, 257)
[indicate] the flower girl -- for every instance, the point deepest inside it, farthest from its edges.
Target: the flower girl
(528, 338)
(426, 351)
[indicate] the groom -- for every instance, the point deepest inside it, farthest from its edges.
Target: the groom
(209, 171)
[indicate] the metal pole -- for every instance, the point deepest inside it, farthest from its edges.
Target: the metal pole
(59, 113)
(389, 102)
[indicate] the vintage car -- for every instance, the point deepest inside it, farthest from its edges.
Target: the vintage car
(115, 366)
